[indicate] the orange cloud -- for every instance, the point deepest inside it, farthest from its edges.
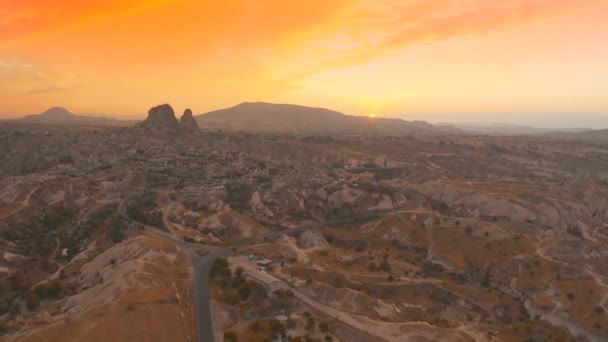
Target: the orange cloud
(231, 50)
(27, 19)
(21, 79)
(375, 27)
(8, 17)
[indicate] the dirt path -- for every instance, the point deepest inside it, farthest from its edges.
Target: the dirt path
(17, 207)
(396, 332)
(382, 279)
(555, 318)
(167, 210)
(540, 251)
(597, 278)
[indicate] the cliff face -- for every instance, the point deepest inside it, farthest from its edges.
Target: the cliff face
(187, 123)
(161, 117)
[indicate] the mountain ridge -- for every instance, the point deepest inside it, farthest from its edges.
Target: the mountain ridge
(270, 117)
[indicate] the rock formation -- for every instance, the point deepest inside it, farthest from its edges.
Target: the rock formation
(312, 240)
(187, 123)
(161, 117)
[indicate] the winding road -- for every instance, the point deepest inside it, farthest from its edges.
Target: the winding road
(201, 265)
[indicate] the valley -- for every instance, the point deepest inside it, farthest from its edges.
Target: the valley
(164, 231)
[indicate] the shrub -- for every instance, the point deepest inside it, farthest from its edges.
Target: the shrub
(574, 230)
(4, 306)
(485, 282)
(497, 148)
(18, 281)
(230, 336)
(385, 266)
(431, 268)
(330, 238)
(32, 300)
(116, 235)
(310, 324)
(244, 291)
(255, 326)
(439, 205)
(54, 290)
(189, 239)
(219, 266)
(361, 246)
(277, 327)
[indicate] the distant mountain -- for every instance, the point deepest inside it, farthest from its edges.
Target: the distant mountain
(600, 134)
(287, 118)
(507, 129)
(61, 116)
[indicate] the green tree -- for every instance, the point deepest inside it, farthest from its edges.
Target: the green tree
(230, 336)
(487, 277)
(116, 235)
(245, 291)
(32, 300)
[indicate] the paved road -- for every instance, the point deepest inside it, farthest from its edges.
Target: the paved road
(202, 299)
(201, 266)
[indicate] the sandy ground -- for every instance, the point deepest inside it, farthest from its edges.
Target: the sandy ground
(144, 296)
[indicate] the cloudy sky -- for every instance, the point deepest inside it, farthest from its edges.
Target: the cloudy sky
(541, 62)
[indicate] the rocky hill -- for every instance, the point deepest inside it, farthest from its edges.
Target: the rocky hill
(187, 123)
(160, 117)
(267, 117)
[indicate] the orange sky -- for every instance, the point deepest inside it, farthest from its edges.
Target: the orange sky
(451, 60)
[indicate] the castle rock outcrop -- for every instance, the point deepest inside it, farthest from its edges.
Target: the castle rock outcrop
(161, 117)
(187, 123)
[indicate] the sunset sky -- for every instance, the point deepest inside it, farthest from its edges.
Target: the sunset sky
(540, 62)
